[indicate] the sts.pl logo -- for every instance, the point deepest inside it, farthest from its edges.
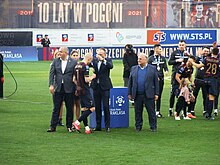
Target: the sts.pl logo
(39, 37)
(90, 37)
(155, 36)
(159, 37)
(64, 37)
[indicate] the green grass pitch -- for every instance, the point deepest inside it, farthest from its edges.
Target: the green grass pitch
(25, 117)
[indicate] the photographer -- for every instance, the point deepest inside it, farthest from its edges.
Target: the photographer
(130, 59)
(45, 41)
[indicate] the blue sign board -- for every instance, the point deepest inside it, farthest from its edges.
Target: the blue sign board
(115, 52)
(119, 109)
(190, 36)
(28, 53)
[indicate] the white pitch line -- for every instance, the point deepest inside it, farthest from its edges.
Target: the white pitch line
(22, 101)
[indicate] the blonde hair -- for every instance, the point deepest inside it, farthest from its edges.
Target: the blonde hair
(56, 53)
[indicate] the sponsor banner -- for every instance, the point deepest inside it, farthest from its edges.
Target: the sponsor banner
(121, 37)
(128, 36)
(218, 39)
(113, 52)
(75, 14)
(202, 15)
(14, 54)
(157, 12)
(119, 110)
(13, 38)
(173, 36)
(67, 37)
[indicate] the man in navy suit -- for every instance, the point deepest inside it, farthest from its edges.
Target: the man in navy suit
(101, 86)
(143, 87)
(62, 87)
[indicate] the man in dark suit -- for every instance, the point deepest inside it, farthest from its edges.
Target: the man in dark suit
(62, 87)
(45, 41)
(160, 63)
(101, 86)
(143, 87)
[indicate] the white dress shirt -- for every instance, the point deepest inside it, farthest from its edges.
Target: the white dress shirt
(63, 65)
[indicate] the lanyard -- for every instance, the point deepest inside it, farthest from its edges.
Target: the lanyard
(181, 54)
(157, 61)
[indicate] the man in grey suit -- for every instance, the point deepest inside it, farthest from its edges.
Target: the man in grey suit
(143, 87)
(62, 87)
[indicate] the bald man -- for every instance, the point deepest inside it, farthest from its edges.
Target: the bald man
(143, 87)
(82, 80)
(61, 86)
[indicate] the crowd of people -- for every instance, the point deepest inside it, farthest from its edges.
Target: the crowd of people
(70, 83)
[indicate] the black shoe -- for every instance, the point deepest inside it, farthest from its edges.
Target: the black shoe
(60, 123)
(107, 130)
(159, 115)
(138, 129)
(97, 129)
(211, 118)
(51, 130)
(216, 112)
(206, 115)
(170, 113)
(70, 130)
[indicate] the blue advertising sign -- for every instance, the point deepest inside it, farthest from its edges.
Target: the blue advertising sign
(173, 36)
(46, 54)
(119, 109)
(28, 53)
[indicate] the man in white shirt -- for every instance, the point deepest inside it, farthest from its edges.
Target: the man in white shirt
(61, 86)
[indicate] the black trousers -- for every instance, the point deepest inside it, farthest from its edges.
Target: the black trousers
(58, 98)
(181, 104)
(139, 101)
(158, 102)
(172, 94)
(217, 96)
(199, 84)
(101, 98)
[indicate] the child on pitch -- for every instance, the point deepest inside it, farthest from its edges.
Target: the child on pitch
(185, 99)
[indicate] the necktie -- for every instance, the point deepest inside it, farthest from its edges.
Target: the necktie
(99, 65)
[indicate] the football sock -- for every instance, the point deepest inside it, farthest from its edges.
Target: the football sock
(210, 107)
(85, 121)
(84, 115)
